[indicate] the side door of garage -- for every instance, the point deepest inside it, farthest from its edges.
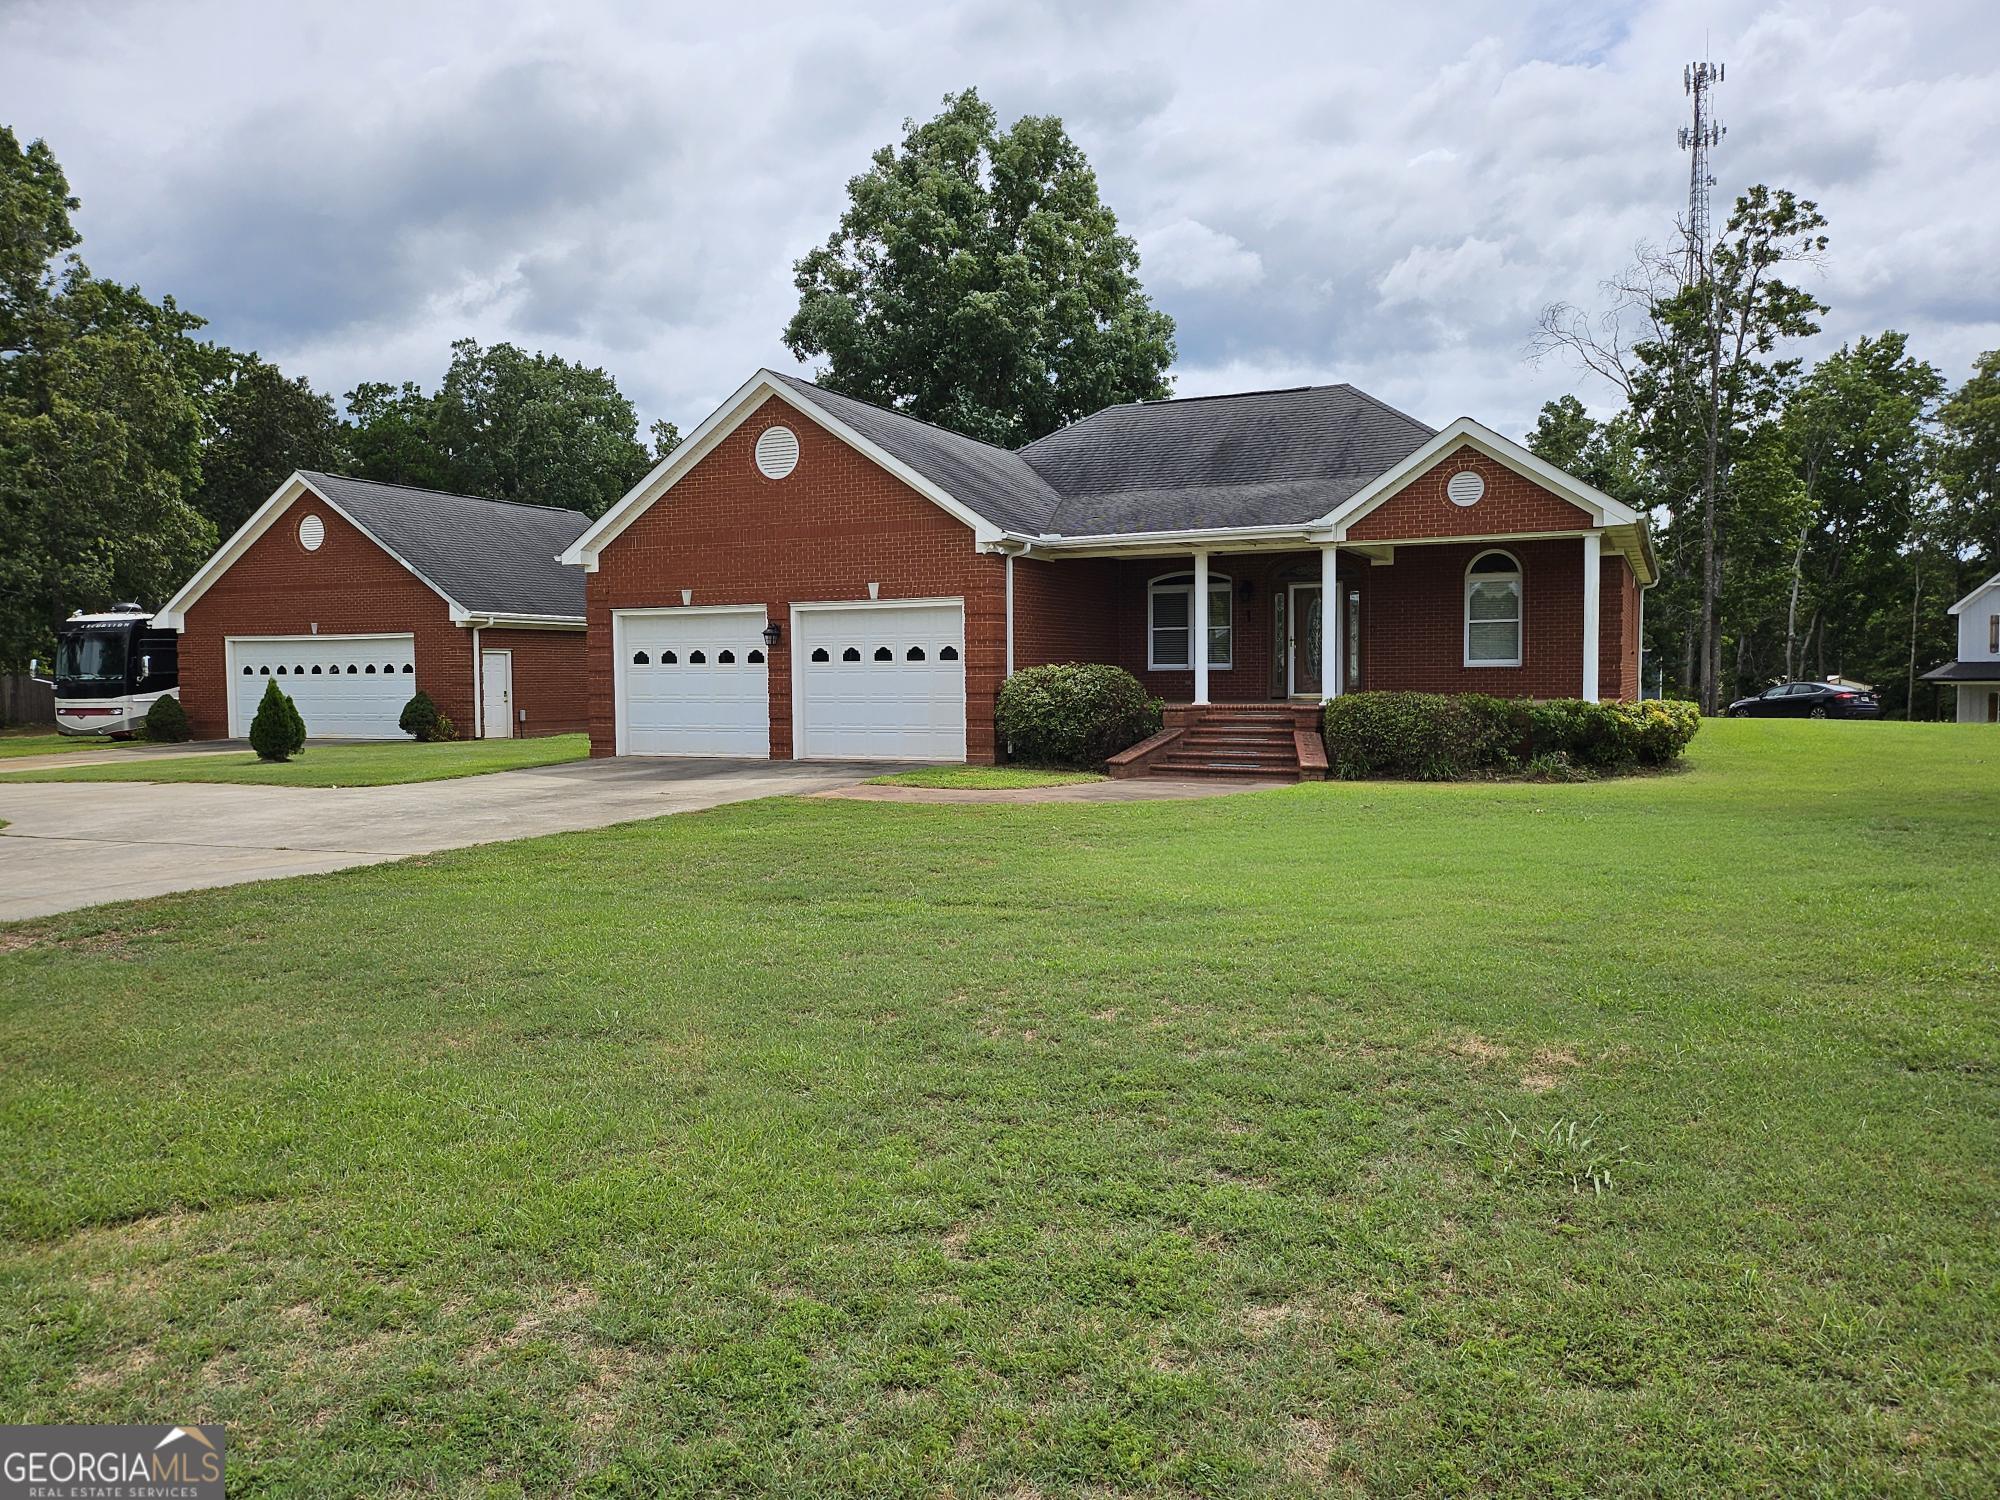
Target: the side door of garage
(880, 680)
(693, 681)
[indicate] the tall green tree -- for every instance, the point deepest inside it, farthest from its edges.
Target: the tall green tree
(507, 425)
(100, 421)
(978, 281)
(261, 426)
(1969, 465)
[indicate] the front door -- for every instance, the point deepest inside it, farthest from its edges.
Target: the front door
(496, 694)
(1302, 649)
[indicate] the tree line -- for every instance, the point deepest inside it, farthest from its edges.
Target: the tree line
(130, 446)
(1812, 520)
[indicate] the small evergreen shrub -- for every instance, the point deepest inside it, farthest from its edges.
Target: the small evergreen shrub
(419, 719)
(167, 722)
(277, 733)
(1446, 736)
(1077, 714)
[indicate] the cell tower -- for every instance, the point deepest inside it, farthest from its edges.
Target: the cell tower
(1699, 80)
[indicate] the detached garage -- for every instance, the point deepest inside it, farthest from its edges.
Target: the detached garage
(352, 595)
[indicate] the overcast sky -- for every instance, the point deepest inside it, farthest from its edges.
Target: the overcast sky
(1385, 194)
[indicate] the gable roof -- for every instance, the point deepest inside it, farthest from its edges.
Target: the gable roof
(482, 557)
(1145, 473)
(1261, 458)
(488, 556)
(1959, 608)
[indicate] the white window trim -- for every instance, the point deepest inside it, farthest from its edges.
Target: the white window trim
(1520, 610)
(1159, 584)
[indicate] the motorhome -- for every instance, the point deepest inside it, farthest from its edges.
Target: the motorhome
(110, 667)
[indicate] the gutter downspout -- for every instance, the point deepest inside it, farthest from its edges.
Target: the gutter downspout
(1010, 614)
(478, 691)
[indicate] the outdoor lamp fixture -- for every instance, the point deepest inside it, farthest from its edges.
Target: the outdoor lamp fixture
(772, 634)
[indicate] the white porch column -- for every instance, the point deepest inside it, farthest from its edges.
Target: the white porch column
(1010, 614)
(1592, 575)
(1198, 646)
(1330, 614)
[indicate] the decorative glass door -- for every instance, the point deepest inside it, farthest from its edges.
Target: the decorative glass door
(1303, 649)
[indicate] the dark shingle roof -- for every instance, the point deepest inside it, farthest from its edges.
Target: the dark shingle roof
(1965, 671)
(1265, 458)
(494, 556)
(992, 481)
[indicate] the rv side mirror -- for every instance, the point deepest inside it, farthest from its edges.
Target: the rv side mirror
(35, 672)
(145, 668)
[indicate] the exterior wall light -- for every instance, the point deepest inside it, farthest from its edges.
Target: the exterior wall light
(772, 634)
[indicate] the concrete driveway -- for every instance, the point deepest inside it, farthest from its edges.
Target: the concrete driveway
(81, 843)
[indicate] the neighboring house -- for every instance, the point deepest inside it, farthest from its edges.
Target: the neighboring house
(352, 595)
(811, 576)
(1976, 673)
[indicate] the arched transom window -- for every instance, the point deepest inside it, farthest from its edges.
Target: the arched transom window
(1170, 622)
(1493, 611)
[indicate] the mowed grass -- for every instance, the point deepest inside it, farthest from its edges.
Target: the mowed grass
(331, 763)
(1634, 1137)
(15, 743)
(984, 778)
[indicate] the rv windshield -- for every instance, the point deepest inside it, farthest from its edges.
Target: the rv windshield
(91, 656)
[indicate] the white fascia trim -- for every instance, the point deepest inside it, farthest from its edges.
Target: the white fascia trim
(805, 606)
(1602, 508)
(725, 419)
(1959, 608)
(173, 614)
(656, 611)
(477, 620)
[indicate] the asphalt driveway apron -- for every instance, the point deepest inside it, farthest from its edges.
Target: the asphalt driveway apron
(74, 844)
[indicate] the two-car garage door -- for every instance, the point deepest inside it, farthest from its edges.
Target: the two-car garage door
(346, 687)
(876, 681)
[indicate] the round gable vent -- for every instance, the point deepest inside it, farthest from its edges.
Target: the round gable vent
(1465, 487)
(777, 452)
(312, 531)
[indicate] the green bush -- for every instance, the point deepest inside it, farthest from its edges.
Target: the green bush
(1078, 714)
(1427, 736)
(277, 733)
(166, 721)
(1445, 736)
(419, 719)
(446, 730)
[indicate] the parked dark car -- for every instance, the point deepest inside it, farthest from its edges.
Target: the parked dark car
(1807, 700)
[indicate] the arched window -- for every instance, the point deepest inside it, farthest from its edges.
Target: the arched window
(850, 654)
(668, 659)
(725, 658)
(407, 668)
(316, 672)
(819, 654)
(1170, 622)
(641, 659)
(755, 658)
(950, 653)
(915, 653)
(697, 659)
(1493, 611)
(883, 653)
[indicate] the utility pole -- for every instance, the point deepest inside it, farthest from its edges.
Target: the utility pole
(1698, 139)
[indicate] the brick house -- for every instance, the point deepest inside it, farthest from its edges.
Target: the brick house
(811, 576)
(352, 595)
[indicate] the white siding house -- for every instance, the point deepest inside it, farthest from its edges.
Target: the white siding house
(1976, 671)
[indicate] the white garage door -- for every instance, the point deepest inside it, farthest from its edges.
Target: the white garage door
(694, 682)
(881, 682)
(347, 688)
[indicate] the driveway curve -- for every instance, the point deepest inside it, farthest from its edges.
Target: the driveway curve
(77, 844)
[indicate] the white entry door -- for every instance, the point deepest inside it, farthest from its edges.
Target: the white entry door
(346, 687)
(880, 681)
(496, 694)
(693, 681)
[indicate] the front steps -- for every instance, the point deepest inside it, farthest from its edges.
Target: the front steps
(1231, 739)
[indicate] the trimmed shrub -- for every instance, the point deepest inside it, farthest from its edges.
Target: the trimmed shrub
(446, 730)
(1445, 736)
(166, 721)
(1428, 736)
(277, 733)
(1078, 714)
(421, 720)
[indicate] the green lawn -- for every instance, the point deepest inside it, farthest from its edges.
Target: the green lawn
(1241, 1146)
(984, 778)
(18, 742)
(331, 763)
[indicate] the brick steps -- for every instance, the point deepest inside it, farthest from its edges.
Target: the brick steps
(1232, 739)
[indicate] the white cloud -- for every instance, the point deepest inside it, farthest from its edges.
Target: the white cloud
(1189, 255)
(1387, 198)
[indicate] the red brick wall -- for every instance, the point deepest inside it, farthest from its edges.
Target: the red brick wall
(826, 531)
(550, 679)
(349, 585)
(1511, 504)
(1064, 611)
